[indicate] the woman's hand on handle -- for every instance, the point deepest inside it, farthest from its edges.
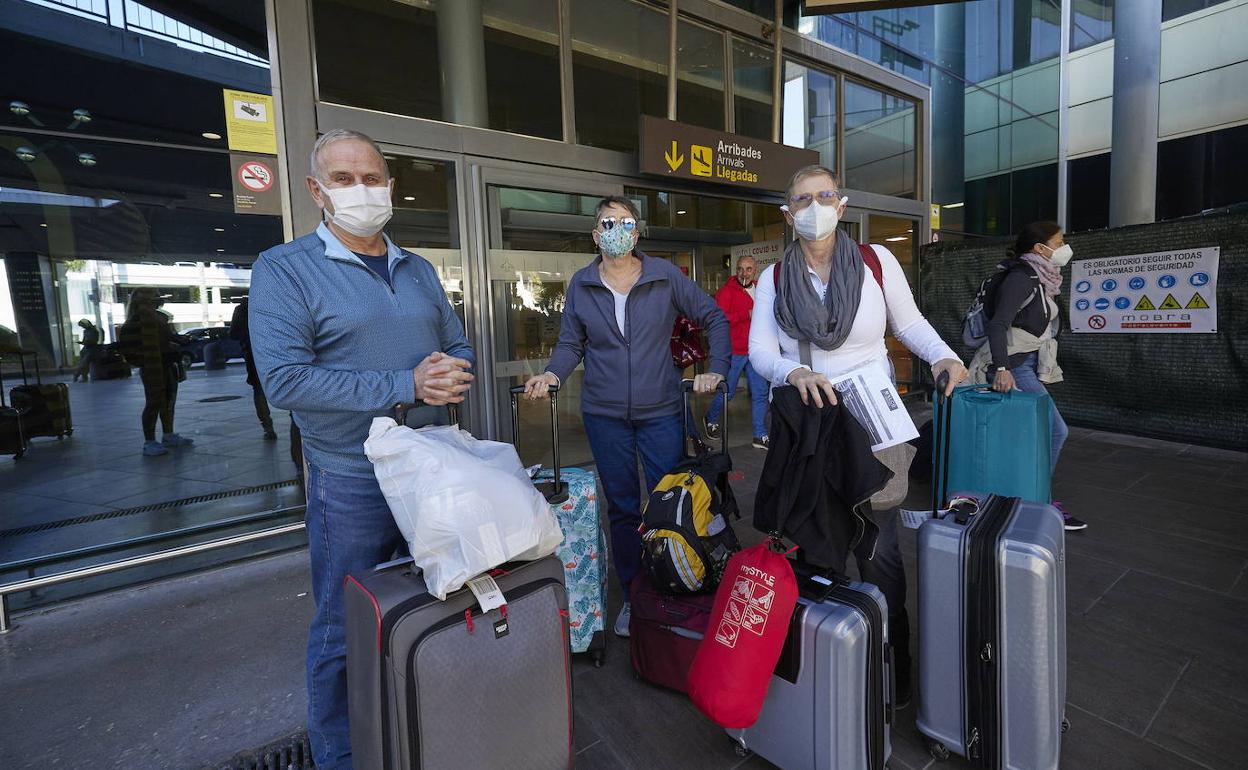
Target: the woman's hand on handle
(706, 383)
(952, 367)
(812, 387)
(1003, 381)
(539, 386)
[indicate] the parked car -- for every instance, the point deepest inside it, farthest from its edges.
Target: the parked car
(193, 349)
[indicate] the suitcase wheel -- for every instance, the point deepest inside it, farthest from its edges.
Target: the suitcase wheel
(739, 750)
(1065, 725)
(938, 750)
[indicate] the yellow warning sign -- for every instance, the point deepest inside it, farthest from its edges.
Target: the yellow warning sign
(249, 122)
(1144, 304)
(1170, 303)
(1196, 303)
(701, 160)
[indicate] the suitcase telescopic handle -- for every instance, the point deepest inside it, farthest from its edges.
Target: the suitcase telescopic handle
(686, 387)
(401, 410)
(942, 420)
(556, 491)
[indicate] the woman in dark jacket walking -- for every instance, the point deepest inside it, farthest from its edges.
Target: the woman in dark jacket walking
(1022, 335)
(617, 318)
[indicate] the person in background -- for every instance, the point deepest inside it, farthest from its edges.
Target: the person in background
(826, 297)
(239, 332)
(736, 299)
(617, 318)
(90, 346)
(1022, 333)
(345, 325)
(148, 341)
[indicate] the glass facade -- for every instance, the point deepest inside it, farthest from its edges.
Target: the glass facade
(116, 182)
(810, 111)
(752, 67)
(700, 76)
(880, 148)
(619, 70)
(521, 64)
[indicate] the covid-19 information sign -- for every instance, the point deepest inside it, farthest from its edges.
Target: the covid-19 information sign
(1167, 292)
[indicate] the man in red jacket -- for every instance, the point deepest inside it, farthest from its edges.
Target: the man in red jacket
(736, 299)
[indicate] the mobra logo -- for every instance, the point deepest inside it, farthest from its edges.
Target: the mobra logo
(1157, 317)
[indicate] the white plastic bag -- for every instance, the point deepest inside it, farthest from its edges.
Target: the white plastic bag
(464, 506)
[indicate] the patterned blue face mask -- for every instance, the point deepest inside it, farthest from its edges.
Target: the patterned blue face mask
(617, 236)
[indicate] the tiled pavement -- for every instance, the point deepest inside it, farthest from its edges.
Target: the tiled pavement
(187, 672)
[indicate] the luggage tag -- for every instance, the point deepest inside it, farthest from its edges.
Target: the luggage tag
(915, 519)
(490, 597)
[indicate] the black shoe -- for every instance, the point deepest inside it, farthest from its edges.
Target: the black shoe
(1070, 523)
(270, 434)
(762, 442)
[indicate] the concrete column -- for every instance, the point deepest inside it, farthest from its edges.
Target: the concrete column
(1137, 83)
(461, 55)
(949, 113)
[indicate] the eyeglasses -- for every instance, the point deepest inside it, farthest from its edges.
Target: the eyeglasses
(825, 198)
(609, 223)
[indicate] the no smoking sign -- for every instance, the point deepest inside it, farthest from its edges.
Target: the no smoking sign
(255, 176)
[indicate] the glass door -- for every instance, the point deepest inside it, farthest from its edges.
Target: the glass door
(900, 236)
(537, 239)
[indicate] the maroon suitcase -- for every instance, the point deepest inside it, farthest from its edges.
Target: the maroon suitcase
(664, 632)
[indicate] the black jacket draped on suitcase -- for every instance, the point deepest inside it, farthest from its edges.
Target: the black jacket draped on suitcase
(819, 472)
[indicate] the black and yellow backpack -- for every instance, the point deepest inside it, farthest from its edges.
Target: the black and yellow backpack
(686, 535)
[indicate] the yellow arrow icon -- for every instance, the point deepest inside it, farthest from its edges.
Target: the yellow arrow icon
(674, 159)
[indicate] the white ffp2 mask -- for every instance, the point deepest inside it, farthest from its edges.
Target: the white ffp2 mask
(360, 210)
(817, 221)
(1061, 255)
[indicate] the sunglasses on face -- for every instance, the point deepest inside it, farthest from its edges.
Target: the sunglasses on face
(609, 223)
(825, 198)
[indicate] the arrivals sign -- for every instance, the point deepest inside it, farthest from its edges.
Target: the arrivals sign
(699, 154)
(1168, 292)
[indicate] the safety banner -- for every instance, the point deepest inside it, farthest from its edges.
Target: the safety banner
(1165, 292)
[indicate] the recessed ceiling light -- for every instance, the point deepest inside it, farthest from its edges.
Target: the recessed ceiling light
(409, 197)
(211, 135)
(682, 211)
(220, 249)
(26, 154)
(82, 116)
(219, 229)
(953, 205)
(215, 195)
(19, 108)
(896, 238)
(43, 224)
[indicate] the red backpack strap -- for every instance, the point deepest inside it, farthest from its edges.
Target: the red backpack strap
(872, 261)
(869, 258)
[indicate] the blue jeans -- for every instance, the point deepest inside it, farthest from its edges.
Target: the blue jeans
(616, 444)
(758, 394)
(1026, 380)
(350, 530)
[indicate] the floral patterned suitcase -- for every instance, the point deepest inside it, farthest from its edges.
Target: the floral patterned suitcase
(584, 547)
(584, 556)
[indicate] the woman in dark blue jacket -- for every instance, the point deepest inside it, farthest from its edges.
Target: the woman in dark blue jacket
(617, 318)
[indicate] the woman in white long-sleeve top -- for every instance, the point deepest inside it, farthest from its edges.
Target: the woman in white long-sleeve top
(834, 301)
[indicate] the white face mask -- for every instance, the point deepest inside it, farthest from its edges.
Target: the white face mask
(817, 221)
(360, 210)
(1061, 255)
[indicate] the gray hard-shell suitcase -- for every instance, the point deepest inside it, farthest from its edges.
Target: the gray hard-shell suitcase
(992, 634)
(436, 685)
(830, 702)
(992, 624)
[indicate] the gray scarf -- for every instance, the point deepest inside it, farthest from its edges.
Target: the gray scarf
(799, 310)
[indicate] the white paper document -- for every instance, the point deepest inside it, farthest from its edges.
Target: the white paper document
(872, 398)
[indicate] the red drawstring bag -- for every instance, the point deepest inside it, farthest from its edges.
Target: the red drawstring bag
(749, 622)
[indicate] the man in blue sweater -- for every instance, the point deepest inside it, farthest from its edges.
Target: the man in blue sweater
(344, 326)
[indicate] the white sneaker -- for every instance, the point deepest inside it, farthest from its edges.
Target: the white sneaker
(621, 620)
